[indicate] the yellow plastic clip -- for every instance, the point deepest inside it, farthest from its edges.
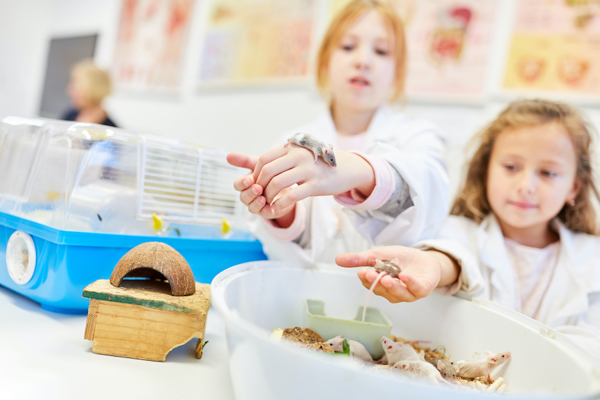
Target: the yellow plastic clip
(157, 222)
(225, 226)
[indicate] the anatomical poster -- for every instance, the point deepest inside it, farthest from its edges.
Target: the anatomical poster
(555, 47)
(250, 42)
(150, 45)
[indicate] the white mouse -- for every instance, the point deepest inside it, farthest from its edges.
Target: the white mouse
(419, 369)
(357, 350)
(318, 148)
(476, 368)
(395, 351)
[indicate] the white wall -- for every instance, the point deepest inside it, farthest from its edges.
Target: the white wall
(246, 119)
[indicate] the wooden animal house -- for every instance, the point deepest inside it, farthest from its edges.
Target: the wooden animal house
(150, 305)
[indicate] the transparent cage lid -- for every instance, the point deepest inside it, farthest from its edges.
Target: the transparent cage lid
(93, 178)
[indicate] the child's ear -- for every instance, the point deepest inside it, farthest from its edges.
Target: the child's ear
(574, 191)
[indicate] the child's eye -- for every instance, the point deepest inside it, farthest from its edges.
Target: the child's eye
(549, 174)
(510, 167)
(381, 52)
(347, 47)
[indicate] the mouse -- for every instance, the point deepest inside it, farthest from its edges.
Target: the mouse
(419, 369)
(476, 368)
(318, 148)
(357, 350)
(447, 369)
(384, 267)
(396, 351)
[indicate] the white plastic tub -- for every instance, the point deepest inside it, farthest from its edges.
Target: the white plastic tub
(257, 297)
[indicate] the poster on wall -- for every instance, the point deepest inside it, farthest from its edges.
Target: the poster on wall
(250, 42)
(449, 46)
(150, 45)
(555, 47)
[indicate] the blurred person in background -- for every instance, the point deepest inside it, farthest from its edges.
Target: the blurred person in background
(87, 89)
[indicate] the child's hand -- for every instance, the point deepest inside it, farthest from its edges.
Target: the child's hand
(421, 272)
(250, 193)
(280, 168)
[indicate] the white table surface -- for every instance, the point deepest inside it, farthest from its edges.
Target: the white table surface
(43, 356)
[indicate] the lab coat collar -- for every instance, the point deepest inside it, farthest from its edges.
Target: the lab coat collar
(377, 129)
(572, 296)
(569, 296)
(495, 257)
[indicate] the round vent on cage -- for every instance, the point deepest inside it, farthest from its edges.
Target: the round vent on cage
(20, 257)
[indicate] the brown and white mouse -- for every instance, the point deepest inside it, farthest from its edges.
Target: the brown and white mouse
(384, 267)
(446, 368)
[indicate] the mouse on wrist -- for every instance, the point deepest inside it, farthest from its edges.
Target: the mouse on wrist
(318, 148)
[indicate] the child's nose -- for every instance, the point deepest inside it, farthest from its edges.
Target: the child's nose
(362, 58)
(528, 182)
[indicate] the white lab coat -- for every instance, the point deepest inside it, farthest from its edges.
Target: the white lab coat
(571, 304)
(415, 148)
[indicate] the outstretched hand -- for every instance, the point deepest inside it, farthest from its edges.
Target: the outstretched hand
(285, 175)
(421, 271)
(282, 167)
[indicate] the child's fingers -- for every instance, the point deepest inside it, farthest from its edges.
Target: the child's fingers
(268, 213)
(257, 205)
(274, 169)
(367, 258)
(243, 182)
(278, 186)
(267, 158)
(414, 286)
(390, 288)
(249, 195)
(352, 260)
(242, 160)
(396, 290)
(294, 195)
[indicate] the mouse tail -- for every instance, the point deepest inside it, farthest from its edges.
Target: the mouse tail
(381, 274)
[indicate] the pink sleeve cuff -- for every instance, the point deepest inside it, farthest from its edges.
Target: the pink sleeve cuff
(384, 187)
(293, 231)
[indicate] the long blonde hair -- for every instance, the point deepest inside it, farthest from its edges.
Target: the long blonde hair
(472, 202)
(343, 21)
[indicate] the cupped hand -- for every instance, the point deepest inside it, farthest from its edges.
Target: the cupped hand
(284, 166)
(421, 272)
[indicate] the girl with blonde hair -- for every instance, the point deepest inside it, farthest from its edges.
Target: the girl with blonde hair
(523, 227)
(390, 184)
(87, 89)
